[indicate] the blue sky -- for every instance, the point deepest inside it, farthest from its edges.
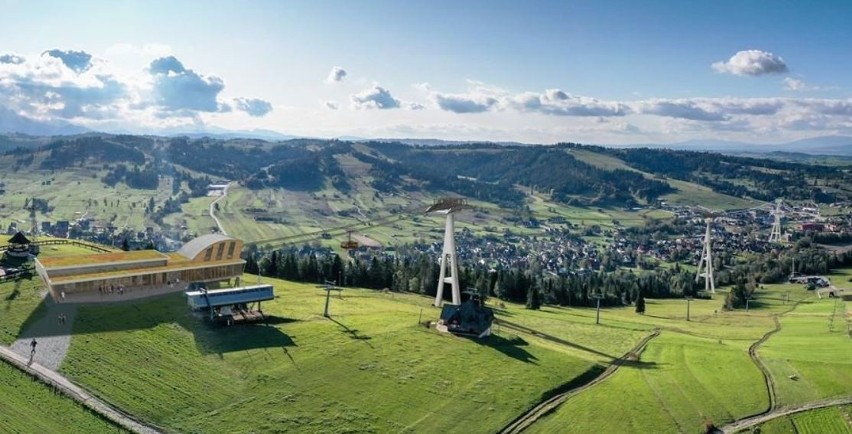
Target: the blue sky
(613, 72)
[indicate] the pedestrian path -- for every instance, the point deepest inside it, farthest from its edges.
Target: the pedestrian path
(54, 379)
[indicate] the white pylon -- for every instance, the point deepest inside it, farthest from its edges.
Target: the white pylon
(775, 235)
(448, 257)
(706, 262)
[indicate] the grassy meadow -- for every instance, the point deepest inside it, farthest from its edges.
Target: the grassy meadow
(28, 406)
(370, 367)
(373, 368)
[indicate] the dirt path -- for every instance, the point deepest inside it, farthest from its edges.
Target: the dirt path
(530, 417)
(784, 411)
(767, 376)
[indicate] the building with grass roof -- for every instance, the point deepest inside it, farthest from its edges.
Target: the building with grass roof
(208, 258)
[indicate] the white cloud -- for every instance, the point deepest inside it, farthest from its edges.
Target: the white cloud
(375, 97)
(253, 106)
(793, 84)
(752, 62)
(559, 103)
(66, 85)
(336, 75)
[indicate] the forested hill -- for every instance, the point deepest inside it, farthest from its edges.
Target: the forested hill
(494, 173)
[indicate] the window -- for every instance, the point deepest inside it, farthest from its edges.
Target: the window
(231, 247)
(220, 251)
(209, 254)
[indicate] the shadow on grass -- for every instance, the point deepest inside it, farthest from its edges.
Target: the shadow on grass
(353, 333)
(552, 338)
(149, 313)
(510, 347)
(637, 364)
(223, 339)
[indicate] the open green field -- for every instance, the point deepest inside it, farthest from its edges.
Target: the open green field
(31, 407)
(75, 193)
(835, 420)
(813, 347)
(700, 371)
(304, 372)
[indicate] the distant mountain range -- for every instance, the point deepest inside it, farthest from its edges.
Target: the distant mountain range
(11, 122)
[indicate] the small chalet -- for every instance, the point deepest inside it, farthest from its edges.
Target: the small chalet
(19, 246)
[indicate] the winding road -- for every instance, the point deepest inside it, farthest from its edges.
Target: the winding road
(213, 206)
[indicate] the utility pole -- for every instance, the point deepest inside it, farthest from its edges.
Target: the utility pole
(598, 297)
(688, 299)
(328, 287)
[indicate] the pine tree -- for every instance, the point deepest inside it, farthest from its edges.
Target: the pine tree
(640, 304)
(534, 296)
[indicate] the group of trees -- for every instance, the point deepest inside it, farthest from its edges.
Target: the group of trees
(766, 179)
(418, 273)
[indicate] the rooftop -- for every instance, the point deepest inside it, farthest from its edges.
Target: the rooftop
(101, 258)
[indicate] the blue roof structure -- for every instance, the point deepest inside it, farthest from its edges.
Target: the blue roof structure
(203, 299)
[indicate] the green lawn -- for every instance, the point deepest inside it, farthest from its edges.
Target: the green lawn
(371, 369)
(833, 420)
(814, 350)
(29, 406)
(681, 382)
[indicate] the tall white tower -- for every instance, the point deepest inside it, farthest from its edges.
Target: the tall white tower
(448, 207)
(706, 262)
(775, 235)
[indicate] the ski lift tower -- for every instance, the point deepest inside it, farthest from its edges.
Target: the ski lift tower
(448, 207)
(706, 263)
(775, 235)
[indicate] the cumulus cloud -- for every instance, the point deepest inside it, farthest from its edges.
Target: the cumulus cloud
(375, 97)
(183, 90)
(554, 102)
(77, 61)
(10, 58)
(60, 85)
(336, 75)
(253, 106)
(752, 62)
(682, 108)
(559, 103)
(464, 103)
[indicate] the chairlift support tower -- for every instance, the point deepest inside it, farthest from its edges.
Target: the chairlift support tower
(448, 207)
(706, 263)
(775, 235)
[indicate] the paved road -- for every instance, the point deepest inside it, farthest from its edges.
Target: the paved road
(213, 206)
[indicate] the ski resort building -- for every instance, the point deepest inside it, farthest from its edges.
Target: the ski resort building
(208, 258)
